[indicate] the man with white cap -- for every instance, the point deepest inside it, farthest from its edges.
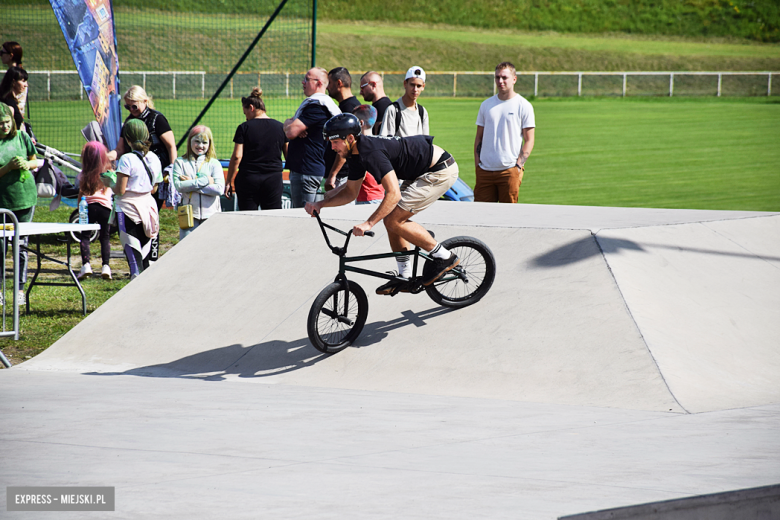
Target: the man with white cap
(405, 117)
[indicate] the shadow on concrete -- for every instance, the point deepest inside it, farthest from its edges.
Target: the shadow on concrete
(375, 332)
(269, 358)
(588, 247)
(259, 360)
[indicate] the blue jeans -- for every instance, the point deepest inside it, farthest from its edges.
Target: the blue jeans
(303, 188)
(195, 223)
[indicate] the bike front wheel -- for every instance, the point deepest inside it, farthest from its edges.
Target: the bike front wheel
(337, 317)
(470, 280)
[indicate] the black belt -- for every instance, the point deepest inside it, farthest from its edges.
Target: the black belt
(446, 163)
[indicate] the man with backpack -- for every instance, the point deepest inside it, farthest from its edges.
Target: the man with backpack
(405, 117)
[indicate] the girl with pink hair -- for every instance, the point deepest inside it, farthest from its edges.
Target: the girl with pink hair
(94, 161)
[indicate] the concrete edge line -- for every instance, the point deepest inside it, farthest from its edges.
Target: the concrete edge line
(757, 255)
(753, 503)
(636, 325)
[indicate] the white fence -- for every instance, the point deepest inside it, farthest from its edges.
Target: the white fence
(65, 84)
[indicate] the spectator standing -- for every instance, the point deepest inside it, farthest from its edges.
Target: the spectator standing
(161, 139)
(198, 176)
(306, 153)
(255, 170)
(18, 192)
(371, 192)
(11, 55)
(340, 89)
(12, 87)
(372, 88)
(504, 140)
(163, 143)
(138, 174)
(94, 161)
(406, 117)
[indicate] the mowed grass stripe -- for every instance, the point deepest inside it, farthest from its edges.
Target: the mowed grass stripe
(691, 153)
(620, 43)
(629, 153)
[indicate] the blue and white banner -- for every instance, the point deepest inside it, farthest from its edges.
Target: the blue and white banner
(89, 30)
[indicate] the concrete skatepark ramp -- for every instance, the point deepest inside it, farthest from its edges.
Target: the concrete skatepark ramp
(646, 309)
(563, 391)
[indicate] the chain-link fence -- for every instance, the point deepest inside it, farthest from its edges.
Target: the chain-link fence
(181, 59)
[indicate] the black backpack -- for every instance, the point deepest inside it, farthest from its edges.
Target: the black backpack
(397, 106)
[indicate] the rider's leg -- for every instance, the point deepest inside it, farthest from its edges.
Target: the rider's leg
(401, 231)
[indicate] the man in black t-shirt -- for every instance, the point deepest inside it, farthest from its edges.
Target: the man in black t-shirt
(340, 89)
(427, 172)
(373, 90)
(306, 152)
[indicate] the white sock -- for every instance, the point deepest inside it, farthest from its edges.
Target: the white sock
(404, 266)
(440, 252)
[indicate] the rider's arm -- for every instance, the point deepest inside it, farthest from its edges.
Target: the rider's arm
(391, 200)
(344, 194)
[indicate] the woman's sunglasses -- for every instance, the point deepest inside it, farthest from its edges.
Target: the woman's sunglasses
(131, 107)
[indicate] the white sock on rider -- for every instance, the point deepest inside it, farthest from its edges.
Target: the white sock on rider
(440, 252)
(404, 266)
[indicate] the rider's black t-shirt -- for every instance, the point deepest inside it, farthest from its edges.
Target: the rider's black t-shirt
(409, 157)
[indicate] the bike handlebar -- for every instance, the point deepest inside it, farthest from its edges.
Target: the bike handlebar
(337, 250)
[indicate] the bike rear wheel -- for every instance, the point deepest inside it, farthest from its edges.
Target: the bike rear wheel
(470, 280)
(337, 317)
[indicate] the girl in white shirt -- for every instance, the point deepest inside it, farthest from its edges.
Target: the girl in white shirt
(138, 174)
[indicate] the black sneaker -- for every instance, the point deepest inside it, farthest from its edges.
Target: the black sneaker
(440, 266)
(394, 287)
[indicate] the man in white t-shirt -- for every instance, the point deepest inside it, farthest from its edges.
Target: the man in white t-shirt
(504, 140)
(405, 117)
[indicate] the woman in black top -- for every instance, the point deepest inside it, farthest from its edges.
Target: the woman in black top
(163, 144)
(255, 171)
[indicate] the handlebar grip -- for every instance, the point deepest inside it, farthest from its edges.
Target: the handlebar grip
(369, 233)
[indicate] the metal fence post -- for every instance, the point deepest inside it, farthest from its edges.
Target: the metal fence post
(719, 81)
(624, 84)
(769, 85)
(579, 84)
(671, 84)
(536, 84)
(454, 84)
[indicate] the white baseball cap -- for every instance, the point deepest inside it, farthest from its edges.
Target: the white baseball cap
(415, 72)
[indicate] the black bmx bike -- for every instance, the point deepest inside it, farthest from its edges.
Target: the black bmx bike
(339, 312)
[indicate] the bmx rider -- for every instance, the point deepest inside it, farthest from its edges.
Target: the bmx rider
(427, 172)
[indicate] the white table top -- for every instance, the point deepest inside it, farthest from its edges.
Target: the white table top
(46, 228)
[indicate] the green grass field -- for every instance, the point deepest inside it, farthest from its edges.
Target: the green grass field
(696, 153)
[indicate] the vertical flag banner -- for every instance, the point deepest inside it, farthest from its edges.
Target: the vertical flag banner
(88, 27)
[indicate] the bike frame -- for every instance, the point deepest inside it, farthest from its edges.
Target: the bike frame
(344, 260)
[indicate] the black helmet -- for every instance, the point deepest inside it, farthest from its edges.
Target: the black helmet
(340, 126)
